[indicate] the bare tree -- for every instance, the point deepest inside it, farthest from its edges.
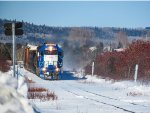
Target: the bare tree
(80, 35)
(122, 39)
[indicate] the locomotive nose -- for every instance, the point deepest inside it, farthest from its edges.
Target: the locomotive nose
(51, 67)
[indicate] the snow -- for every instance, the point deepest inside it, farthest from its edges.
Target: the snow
(32, 47)
(127, 91)
(120, 49)
(95, 79)
(86, 94)
(92, 48)
(10, 100)
(22, 86)
(129, 86)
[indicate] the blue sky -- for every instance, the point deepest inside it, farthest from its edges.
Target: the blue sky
(101, 14)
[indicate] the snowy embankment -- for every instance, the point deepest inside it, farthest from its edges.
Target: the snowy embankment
(89, 94)
(13, 96)
(129, 91)
(132, 88)
(81, 94)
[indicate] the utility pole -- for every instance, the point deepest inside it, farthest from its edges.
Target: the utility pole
(13, 29)
(136, 73)
(92, 68)
(14, 48)
(92, 55)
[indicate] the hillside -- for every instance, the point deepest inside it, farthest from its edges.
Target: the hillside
(45, 33)
(75, 41)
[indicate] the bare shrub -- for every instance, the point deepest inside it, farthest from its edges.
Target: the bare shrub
(121, 65)
(4, 65)
(41, 93)
(37, 89)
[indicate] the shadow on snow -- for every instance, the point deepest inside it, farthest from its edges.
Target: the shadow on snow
(66, 75)
(69, 76)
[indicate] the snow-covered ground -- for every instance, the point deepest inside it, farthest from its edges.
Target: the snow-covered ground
(91, 95)
(11, 100)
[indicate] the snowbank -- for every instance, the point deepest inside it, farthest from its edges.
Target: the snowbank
(10, 100)
(96, 79)
(130, 87)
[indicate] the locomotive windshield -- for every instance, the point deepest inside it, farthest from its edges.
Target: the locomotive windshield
(53, 52)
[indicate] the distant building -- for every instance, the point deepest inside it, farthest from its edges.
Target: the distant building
(119, 50)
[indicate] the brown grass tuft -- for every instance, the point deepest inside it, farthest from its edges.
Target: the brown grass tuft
(41, 93)
(37, 89)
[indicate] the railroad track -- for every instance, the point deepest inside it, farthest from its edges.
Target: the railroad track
(98, 101)
(106, 96)
(112, 103)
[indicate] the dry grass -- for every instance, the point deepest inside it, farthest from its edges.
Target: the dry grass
(87, 82)
(42, 94)
(134, 94)
(37, 89)
(37, 92)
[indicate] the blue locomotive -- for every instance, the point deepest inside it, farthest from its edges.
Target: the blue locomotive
(45, 60)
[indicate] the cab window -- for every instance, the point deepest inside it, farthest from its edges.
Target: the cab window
(47, 52)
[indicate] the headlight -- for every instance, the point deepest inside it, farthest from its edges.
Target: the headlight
(57, 69)
(50, 48)
(44, 69)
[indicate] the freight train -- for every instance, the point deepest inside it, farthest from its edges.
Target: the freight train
(46, 60)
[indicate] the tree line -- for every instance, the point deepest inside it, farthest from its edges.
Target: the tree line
(57, 31)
